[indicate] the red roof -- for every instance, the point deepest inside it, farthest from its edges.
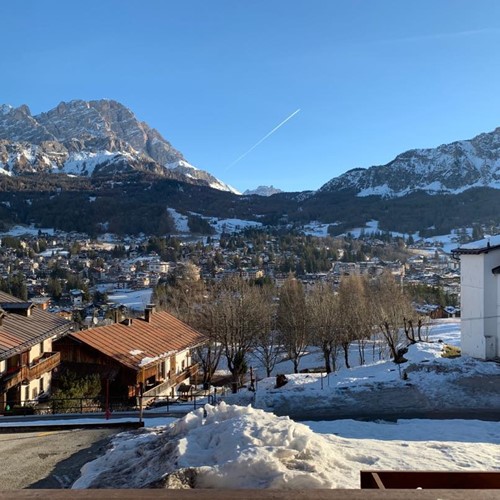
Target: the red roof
(19, 331)
(141, 343)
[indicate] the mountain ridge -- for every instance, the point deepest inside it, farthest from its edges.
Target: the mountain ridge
(93, 137)
(448, 169)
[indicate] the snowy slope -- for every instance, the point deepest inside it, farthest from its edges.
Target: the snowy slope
(192, 172)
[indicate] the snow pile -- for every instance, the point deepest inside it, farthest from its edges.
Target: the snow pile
(233, 447)
(240, 447)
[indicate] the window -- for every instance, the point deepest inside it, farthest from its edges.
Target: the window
(41, 388)
(27, 393)
(35, 393)
(41, 347)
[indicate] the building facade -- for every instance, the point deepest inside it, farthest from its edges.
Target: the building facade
(480, 297)
(27, 358)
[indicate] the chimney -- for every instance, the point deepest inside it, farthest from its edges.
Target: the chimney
(127, 322)
(149, 311)
(116, 316)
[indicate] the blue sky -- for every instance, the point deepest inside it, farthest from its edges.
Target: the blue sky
(371, 78)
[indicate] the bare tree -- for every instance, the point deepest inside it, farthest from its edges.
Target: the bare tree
(268, 348)
(208, 356)
(292, 320)
(392, 307)
(235, 315)
(181, 294)
(322, 306)
(414, 326)
(354, 315)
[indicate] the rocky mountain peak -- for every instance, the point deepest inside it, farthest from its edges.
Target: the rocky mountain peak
(263, 191)
(80, 119)
(5, 108)
(82, 137)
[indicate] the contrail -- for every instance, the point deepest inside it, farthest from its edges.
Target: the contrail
(262, 140)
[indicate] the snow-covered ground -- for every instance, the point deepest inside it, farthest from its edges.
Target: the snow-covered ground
(238, 446)
(219, 225)
(27, 230)
(135, 300)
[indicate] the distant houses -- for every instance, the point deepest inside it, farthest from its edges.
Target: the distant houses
(480, 297)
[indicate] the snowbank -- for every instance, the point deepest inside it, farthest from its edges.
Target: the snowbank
(233, 447)
(241, 447)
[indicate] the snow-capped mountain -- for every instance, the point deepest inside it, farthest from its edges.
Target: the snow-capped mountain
(447, 169)
(263, 191)
(89, 138)
(190, 171)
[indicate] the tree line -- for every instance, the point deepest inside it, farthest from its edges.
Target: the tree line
(240, 318)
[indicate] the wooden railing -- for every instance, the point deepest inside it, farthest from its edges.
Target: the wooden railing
(171, 382)
(442, 480)
(190, 371)
(44, 364)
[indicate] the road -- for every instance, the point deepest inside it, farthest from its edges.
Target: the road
(318, 414)
(49, 459)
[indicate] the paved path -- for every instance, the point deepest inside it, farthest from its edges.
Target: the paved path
(49, 459)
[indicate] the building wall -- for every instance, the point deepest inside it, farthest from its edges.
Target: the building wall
(3, 366)
(31, 391)
(36, 351)
(480, 305)
(35, 387)
(182, 361)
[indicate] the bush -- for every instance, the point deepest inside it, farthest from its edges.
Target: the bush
(72, 387)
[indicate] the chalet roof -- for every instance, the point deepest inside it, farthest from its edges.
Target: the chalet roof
(19, 332)
(141, 343)
(477, 247)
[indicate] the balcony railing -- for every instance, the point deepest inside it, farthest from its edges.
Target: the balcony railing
(190, 371)
(161, 388)
(46, 363)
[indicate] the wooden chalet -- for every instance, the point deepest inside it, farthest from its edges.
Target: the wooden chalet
(153, 352)
(27, 358)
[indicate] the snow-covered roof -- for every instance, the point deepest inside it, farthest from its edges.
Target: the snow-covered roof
(479, 246)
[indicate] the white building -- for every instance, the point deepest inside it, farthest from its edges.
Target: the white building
(158, 266)
(480, 297)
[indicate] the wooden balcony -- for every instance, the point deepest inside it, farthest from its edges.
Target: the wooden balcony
(44, 364)
(162, 388)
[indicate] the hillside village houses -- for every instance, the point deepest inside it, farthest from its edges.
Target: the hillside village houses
(480, 297)
(99, 267)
